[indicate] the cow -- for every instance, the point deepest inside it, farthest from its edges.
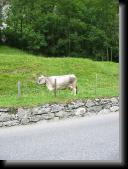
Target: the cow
(59, 82)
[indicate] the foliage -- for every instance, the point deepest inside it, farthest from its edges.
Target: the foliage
(64, 27)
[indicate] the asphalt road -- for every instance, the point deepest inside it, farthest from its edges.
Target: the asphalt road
(87, 138)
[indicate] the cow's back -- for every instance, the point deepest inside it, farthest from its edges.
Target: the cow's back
(62, 81)
(63, 78)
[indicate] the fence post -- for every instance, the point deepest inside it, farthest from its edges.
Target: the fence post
(111, 54)
(19, 89)
(55, 88)
(96, 85)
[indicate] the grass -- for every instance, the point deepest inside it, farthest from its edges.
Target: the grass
(17, 65)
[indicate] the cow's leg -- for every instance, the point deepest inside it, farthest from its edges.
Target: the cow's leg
(74, 86)
(74, 90)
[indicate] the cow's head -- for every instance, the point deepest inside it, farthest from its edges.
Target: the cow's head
(41, 80)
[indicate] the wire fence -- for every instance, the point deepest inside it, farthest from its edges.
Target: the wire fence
(98, 87)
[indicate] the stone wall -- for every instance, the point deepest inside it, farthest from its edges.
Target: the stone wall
(78, 108)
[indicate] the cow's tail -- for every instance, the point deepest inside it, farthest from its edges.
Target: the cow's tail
(76, 89)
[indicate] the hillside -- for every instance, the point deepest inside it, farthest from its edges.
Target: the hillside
(17, 65)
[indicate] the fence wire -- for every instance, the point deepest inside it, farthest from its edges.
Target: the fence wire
(98, 87)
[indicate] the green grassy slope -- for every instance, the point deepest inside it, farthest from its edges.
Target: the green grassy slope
(17, 65)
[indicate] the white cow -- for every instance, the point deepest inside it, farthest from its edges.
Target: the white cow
(59, 82)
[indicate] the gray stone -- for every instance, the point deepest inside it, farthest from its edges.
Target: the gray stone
(61, 114)
(35, 110)
(47, 116)
(11, 123)
(104, 101)
(80, 111)
(97, 100)
(78, 103)
(107, 106)
(6, 117)
(13, 117)
(35, 118)
(48, 112)
(23, 113)
(71, 113)
(114, 108)
(70, 107)
(55, 119)
(89, 103)
(44, 110)
(56, 108)
(24, 121)
(94, 108)
(16, 117)
(114, 100)
(104, 111)
(1, 124)
(45, 105)
(4, 109)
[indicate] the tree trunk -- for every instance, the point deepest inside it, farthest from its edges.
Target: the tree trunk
(69, 45)
(111, 53)
(21, 26)
(69, 41)
(107, 55)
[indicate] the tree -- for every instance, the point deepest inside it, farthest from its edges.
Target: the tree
(77, 28)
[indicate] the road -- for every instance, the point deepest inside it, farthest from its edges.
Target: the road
(87, 138)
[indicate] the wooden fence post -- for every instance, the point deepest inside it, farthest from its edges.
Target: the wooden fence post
(19, 89)
(55, 88)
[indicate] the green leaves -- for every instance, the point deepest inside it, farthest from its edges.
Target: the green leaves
(64, 27)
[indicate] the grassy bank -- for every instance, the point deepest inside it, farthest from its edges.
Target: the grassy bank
(95, 79)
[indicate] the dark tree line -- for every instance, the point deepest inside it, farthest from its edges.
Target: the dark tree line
(76, 28)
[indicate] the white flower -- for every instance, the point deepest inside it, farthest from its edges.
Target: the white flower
(3, 26)
(5, 10)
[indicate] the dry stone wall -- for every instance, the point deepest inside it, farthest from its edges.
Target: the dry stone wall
(79, 108)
